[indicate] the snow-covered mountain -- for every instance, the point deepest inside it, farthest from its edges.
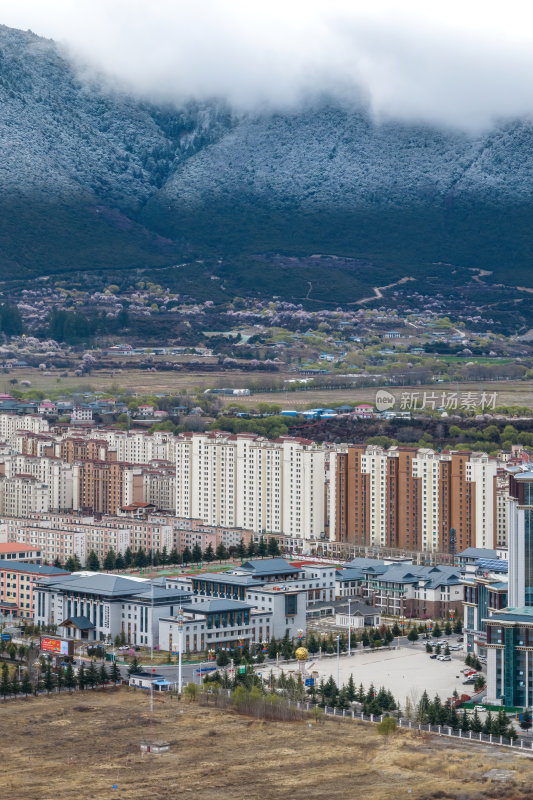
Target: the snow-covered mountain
(93, 178)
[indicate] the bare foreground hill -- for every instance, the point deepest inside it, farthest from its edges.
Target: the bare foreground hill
(83, 745)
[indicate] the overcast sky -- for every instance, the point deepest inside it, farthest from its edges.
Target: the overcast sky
(457, 63)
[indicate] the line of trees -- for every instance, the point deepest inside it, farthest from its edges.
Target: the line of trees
(372, 701)
(65, 678)
(141, 558)
(435, 712)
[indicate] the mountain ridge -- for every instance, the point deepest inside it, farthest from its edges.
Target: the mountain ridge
(98, 179)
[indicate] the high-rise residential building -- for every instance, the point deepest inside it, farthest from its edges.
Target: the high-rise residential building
(11, 423)
(51, 471)
(101, 486)
(411, 498)
(137, 447)
(22, 495)
(502, 504)
(246, 481)
(79, 448)
(159, 485)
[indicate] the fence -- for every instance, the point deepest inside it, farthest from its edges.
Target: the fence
(440, 730)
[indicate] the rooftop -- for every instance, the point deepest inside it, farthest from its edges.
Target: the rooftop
(227, 577)
(479, 552)
(215, 606)
(94, 583)
(5, 547)
(268, 566)
(36, 569)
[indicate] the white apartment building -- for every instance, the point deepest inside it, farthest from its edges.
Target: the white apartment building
(426, 466)
(159, 485)
(481, 471)
(61, 536)
(375, 464)
(56, 474)
(22, 495)
(247, 481)
(81, 414)
(138, 447)
(10, 423)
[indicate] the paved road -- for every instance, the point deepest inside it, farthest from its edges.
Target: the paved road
(189, 672)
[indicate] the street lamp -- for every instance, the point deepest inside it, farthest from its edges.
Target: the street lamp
(349, 627)
(338, 662)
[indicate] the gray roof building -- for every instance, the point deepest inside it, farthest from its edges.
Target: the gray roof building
(35, 569)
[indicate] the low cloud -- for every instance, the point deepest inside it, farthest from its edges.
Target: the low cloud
(455, 64)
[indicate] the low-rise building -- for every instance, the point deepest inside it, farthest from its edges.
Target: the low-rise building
(212, 624)
(348, 582)
(20, 552)
(17, 586)
(216, 623)
(414, 591)
(92, 607)
(316, 580)
(356, 615)
(151, 680)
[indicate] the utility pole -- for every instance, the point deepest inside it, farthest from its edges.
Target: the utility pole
(180, 647)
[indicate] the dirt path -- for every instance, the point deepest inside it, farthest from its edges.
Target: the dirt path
(378, 291)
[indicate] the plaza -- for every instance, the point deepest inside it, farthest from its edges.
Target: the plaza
(405, 672)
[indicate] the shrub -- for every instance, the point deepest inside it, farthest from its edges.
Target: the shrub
(387, 726)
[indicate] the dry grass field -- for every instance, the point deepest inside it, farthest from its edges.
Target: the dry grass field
(80, 746)
(135, 380)
(509, 393)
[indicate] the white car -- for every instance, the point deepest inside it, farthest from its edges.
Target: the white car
(444, 658)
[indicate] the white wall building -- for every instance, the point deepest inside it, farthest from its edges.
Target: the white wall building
(246, 481)
(91, 607)
(56, 474)
(22, 495)
(10, 423)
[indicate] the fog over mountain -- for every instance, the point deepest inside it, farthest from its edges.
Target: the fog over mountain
(96, 174)
(450, 63)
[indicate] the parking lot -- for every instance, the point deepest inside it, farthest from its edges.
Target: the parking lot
(406, 672)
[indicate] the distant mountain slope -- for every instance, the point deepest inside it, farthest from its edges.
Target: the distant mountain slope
(92, 180)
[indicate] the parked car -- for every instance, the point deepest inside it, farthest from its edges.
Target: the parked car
(460, 639)
(444, 658)
(469, 680)
(433, 655)
(469, 671)
(479, 708)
